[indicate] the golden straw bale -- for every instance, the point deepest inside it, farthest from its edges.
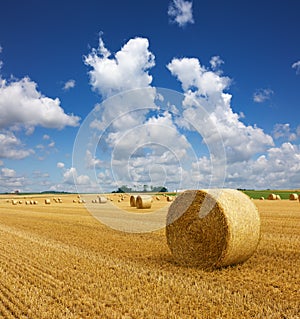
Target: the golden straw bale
(294, 196)
(262, 198)
(169, 198)
(212, 228)
(278, 197)
(47, 201)
(272, 197)
(132, 200)
(143, 201)
(102, 199)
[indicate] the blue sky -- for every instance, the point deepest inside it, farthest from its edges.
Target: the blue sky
(239, 62)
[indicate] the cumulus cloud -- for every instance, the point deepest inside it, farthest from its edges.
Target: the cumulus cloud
(11, 147)
(69, 85)
(22, 105)
(205, 89)
(125, 70)
(262, 95)
(181, 12)
(296, 66)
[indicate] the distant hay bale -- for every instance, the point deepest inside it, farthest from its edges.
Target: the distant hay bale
(294, 196)
(157, 198)
(212, 229)
(31, 202)
(143, 201)
(170, 198)
(27, 202)
(132, 200)
(74, 201)
(60, 200)
(47, 201)
(272, 197)
(14, 202)
(35, 202)
(278, 197)
(102, 199)
(20, 202)
(262, 198)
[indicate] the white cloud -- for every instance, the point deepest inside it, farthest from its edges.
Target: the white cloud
(278, 168)
(126, 70)
(52, 144)
(283, 130)
(181, 12)
(11, 147)
(216, 62)
(262, 95)
(296, 66)
(69, 85)
(9, 181)
(21, 105)
(60, 165)
(46, 137)
(7, 172)
(92, 161)
(205, 90)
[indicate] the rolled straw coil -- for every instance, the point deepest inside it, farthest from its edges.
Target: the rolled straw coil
(227, 234)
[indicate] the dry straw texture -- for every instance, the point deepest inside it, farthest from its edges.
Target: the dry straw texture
(47, 201)
(133, 200)
(278, 197)
(169, 198)
(143, 201)
(227, 235)
(294, 196)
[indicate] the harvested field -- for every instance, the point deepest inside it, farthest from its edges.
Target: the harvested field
(58, 261)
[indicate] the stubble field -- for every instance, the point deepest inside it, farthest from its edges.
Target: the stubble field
(58, 261)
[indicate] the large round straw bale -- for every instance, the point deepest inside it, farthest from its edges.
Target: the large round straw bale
(133, 200)
(14, 202)
(278, 197)
(294, 196)
(102, 199)
(212, 228)
(143, 201)
(47, 201)
(262, 198)
(272, 197)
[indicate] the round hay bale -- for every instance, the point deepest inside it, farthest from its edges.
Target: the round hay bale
(157, 198)
(47, 201)
(169, 198)
(35, 202)
(272, 197)
(27, 202)
(132, 200)
(262, 198)
(143, 201)
(102, 199)
(278, 197)
(14, 202)
(212, 228)
(74, 201)
(20, 202)
(294, 196)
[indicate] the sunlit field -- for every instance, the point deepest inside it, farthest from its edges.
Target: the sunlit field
(58, 261)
